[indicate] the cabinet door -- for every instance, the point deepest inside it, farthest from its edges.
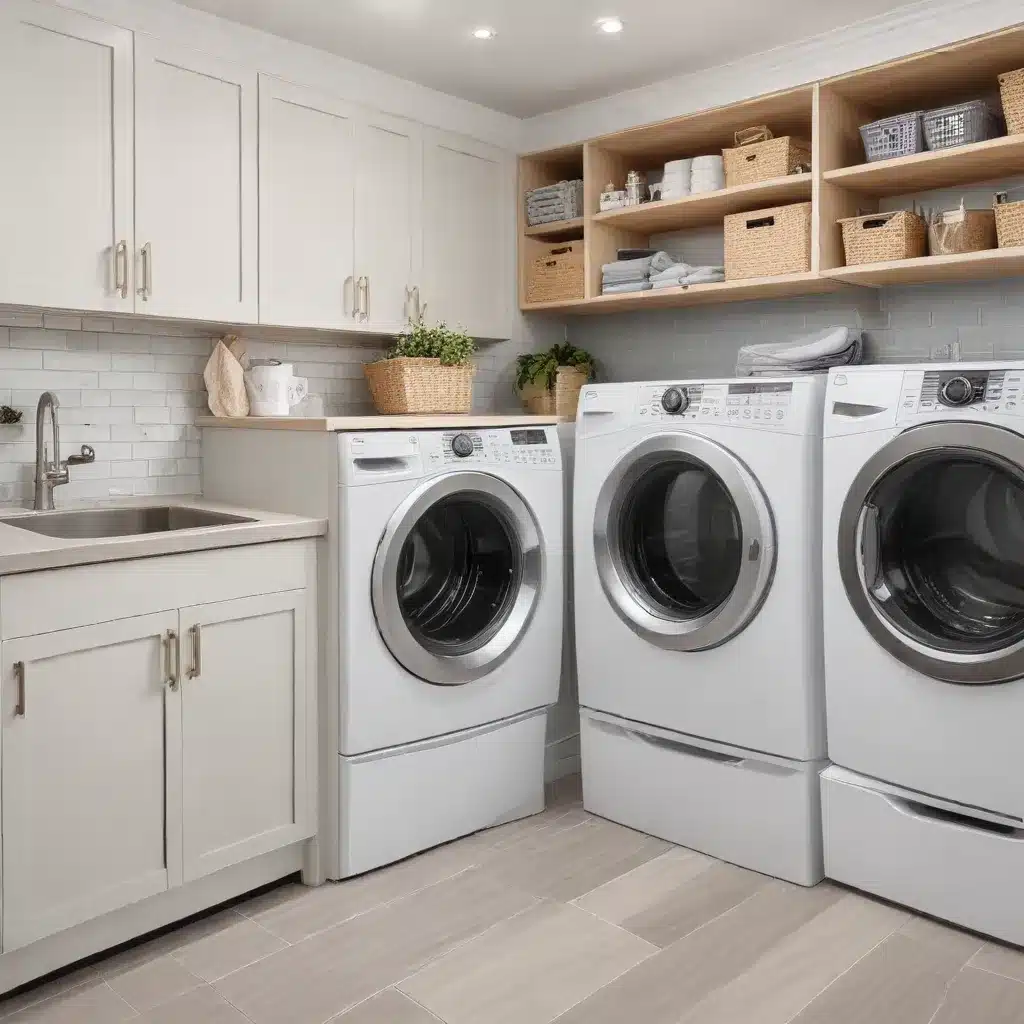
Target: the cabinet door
(388, 233)
(244, 782)
(84, 750)
(466, 196)
(65, 175)
(306, 200)
(196, 205)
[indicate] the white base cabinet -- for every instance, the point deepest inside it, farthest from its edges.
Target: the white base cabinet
(150, 752)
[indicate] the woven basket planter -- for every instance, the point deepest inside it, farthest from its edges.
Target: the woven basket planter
(556, 275)
(407, 385)
(962, 231)
(763, 157)
(1010, 224)
(561, 400)
(766, 243)
(878, 237)
(1011, 89)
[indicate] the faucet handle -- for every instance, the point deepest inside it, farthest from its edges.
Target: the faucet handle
(88, 454)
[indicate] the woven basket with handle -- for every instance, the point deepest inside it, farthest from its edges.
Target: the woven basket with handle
(1011, 89)
(406, 385)
(561, 400)
(758, 156)
(765, 243)
(1010, 224)
(878, 237)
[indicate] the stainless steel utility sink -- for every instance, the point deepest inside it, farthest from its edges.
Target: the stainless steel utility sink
(120, 522)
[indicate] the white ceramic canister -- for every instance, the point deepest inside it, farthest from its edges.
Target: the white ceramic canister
(273, 389)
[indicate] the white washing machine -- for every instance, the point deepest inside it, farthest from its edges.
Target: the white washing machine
(924, 638)
(696, 546)
(443, 624)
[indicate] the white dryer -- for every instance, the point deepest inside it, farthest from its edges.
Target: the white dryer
(924, 638)
(697, 593)
(442, 626)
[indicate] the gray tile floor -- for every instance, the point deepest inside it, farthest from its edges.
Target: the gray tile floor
(560, 917)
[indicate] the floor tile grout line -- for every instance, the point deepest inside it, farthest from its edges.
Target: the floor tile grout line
(711, 862)
(866, 953)
(945, 994)
(986, 970)
(98, 980)
(106, 984)
(618, 927)
(426, 1009)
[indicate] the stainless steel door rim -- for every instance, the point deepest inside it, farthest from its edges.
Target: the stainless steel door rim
(757, 544)
(497, 643)
(858, 550)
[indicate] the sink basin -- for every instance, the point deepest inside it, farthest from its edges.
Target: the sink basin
(120, 522)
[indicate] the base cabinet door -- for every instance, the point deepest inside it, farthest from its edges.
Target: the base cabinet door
(89, 724)
(243, 723)
(66, 172)
(467, 190)
(196, 181)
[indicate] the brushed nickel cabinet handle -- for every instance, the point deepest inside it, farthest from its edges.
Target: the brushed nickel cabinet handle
(146, 288)
(361, 299)
(172, 655)
(121, 269)
(19, 674)
(197, 651)
(350, 280)
(366, 298)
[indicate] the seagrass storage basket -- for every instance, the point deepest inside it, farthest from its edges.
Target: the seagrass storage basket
(556, 274)
(406, 385)
(961, 230)
(766, 243)
(561, 400)
(1009, 223)
(878, 237)
(758, 156)
(1011, 90)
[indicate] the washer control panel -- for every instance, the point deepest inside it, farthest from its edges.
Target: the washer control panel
(968, 391)
(757, 404)
(528, 446)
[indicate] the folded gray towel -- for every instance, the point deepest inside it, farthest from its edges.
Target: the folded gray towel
(619, 267)
(632, 286)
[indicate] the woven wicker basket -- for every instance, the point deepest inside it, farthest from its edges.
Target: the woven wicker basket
(877, 237)
(1011, 89)
(962, 231)
(759, 157)
(556, 275)
(1010, 224)
(407, 385)
(561, 400)
(766, 243)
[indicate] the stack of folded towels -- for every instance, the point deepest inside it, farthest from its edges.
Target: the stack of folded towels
(682, 275)
(563, 201)
(632, 271)
(815, 353)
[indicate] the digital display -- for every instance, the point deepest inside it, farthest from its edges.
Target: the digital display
(529, 436)
(777, 388)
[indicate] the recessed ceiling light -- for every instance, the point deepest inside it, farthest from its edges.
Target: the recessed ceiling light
(610, 25)
(484, 33)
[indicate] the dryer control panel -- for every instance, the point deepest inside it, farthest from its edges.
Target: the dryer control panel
(969, 390)
(535, 447)
(759, 403)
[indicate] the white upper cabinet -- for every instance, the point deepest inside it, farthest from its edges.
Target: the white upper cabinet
(89, 728)
(467, 189)
(66, 171)
(306, 207)
(388, 228)
(196, 203)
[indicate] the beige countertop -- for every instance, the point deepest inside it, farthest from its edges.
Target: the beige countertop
(336, 423)
(25, 551)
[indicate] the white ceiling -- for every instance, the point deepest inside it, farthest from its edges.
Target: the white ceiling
(547, 53)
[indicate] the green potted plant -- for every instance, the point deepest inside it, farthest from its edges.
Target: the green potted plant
(426, 370)
(550, 382)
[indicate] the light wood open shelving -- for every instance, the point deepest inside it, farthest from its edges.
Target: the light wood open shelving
(841, 184)
(557, 230)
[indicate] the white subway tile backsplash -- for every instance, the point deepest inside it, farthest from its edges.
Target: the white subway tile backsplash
(154, 415)
(31, 337)
(20, 359)
(132, 361)
(76, 360)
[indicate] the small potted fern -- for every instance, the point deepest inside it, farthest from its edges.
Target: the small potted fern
(549, 383)
(427, 370)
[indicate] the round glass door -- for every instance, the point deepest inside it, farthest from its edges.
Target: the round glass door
(684, 541)
(456, 577)
(935, 557)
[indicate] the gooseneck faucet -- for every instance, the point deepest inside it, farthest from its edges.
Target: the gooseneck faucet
(50, 474)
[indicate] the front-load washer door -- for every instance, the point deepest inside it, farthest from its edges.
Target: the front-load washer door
(931, 551)
(456, 577)
(684, 542)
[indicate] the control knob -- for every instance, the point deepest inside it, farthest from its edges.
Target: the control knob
(957, 391)
(675, 401)
(462, 445)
